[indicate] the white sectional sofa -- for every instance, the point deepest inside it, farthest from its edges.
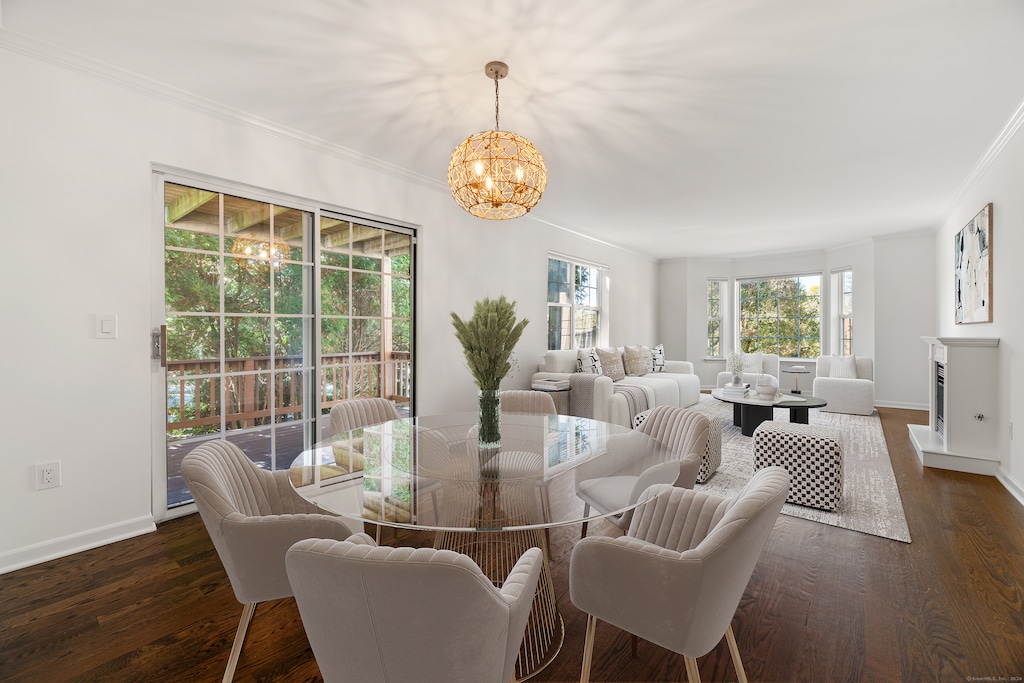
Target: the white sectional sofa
(676, 385)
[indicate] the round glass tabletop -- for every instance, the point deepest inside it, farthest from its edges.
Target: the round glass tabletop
(430, 473)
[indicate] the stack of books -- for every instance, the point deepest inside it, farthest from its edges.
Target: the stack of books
(735, 391)
(551, 384)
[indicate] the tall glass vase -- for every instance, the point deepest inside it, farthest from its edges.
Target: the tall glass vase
(489, 418)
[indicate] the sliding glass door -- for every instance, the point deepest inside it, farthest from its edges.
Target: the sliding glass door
(273, 312)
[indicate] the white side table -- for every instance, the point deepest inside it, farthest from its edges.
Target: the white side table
(796, 370)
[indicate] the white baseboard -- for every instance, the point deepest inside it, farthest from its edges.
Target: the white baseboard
(1010, 484)
(904, 406)
(38, 553)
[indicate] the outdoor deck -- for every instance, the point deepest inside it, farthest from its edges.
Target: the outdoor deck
(195, 405)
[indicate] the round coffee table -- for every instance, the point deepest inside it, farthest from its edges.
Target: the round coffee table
(748, 410)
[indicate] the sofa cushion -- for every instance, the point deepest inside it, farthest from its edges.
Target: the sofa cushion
(587, 360)
(843, 367)
(753, 362)
(611, 364)
(636, 362)
(560, 360)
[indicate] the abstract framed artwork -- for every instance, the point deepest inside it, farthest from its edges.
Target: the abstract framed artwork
(972, 273)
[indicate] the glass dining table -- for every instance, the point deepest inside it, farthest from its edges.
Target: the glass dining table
(429, 473)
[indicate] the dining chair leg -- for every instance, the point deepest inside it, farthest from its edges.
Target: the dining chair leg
(586, 511)
(741, 676)
(588, 648)
(692, 672)
(248, 609)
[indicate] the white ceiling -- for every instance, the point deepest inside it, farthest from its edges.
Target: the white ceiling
(673, 127)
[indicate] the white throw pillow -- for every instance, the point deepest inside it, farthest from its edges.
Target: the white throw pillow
(752, 362)
(587, 361)
(658, 352)
(843, 367)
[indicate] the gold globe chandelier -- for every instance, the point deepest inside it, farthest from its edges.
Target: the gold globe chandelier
(497, 174)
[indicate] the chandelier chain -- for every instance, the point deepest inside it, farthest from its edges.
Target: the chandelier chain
(497, 124)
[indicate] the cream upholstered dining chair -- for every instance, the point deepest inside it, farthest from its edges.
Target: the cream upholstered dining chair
(409, 614)
(352, 414)
(678, 574)
(683, 434)
(357, 413)
(253, 516)
(525, 401)
(361, 412)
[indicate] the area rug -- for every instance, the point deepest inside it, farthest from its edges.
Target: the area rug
(871, 499)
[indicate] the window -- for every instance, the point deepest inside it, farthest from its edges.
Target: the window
(715, 290)
(574, 304)
(842, 303)
(274, 313)
(781, 315)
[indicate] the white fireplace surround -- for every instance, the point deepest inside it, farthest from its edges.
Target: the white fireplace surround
(963, 412)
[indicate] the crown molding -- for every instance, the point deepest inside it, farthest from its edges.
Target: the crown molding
(986, 160)
(73, 61)
(594, 240)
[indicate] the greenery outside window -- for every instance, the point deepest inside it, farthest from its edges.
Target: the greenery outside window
(574, 304)
(781, 315)
(716, 288)
(842, 285)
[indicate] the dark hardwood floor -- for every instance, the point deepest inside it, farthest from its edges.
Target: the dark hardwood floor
(824, 604)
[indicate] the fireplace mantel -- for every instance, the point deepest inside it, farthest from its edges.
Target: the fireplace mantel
(962, 406)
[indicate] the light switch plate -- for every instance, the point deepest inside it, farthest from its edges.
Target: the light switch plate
(106, 326)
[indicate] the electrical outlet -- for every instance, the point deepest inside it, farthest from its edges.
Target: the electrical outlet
(47, 475)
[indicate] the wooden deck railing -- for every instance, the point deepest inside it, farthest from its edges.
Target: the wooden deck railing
(194, 397)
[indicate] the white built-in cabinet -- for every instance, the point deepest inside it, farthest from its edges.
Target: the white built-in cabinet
(963, 413)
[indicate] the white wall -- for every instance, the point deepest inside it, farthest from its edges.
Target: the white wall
(904, 312)
(1001, 185)
(683, 283)
(77, 207)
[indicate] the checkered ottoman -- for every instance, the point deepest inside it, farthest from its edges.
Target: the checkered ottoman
(712, 454)
(812, 455)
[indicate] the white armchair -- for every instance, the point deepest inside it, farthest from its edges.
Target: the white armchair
(677, 576)
(853, 395)
(769, 367)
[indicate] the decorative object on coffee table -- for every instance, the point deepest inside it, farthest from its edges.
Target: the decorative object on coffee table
(972, 273)
(487, 339)
(765, 389)
(734, 365)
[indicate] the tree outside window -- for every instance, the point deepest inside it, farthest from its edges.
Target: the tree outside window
(845, 290)
(715, 290)
(574, 304)
(781, 315)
